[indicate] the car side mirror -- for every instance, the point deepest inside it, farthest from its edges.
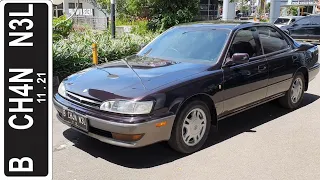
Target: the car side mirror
(238, 58)
(294, 25)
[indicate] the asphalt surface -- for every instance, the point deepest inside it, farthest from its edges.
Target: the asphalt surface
(267, 142)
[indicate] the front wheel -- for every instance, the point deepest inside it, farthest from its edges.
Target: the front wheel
(294, 95)
(191, 127)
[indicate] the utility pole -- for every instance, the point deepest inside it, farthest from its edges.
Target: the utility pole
(274, 10)
(113, 19)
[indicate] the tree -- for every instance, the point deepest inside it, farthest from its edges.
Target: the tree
(105, 6)
(293, 11)
(165, 13)
(162, 13)
(101, 5)
(268, 7)
(244, 7)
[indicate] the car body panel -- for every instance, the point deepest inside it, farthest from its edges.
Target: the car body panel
(171, 84)
(244, 84)
(94, 82)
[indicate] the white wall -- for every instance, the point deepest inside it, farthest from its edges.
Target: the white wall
(85, 5)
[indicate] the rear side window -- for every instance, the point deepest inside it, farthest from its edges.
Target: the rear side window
(304, 21)
(271, 40)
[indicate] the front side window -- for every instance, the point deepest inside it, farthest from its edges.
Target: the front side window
(271, 40)
(244, 42)
(187, 43)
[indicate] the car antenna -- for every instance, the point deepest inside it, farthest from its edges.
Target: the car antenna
(134, 72)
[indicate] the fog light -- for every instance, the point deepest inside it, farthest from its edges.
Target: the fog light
(127, 137)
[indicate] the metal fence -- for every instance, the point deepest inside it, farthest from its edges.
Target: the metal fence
(94, 22)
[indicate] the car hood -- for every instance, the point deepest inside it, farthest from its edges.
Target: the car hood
(115, 80)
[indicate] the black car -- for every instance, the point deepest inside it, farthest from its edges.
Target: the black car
(305, 29)
(184, 82)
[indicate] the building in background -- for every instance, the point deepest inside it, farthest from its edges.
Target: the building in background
(85, 9)
(87, 13)
(305, 7)
(209, 9)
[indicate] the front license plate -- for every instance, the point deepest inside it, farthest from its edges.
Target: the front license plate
(76, 120)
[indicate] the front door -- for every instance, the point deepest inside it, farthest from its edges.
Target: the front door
(245, 83)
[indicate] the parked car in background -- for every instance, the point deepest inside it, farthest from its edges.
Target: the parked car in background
(286, 20)
(183, 83)
(305, 29)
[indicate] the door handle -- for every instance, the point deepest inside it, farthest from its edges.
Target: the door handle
(262, 68)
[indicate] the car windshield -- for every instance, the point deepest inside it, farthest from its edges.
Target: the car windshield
(282, 21)
(183, 44)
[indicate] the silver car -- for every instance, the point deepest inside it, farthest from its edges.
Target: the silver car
(286, 20)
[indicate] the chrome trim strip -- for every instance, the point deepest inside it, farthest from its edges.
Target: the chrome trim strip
(84, 99)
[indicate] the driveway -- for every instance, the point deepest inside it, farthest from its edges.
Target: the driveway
(267, 142)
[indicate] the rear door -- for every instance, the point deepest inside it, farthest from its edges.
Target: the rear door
(280, 57)
(245, 83)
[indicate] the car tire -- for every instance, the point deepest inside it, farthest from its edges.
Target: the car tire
(188, 123)
(296, 90)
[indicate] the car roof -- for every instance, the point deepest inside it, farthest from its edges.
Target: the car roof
(210, 25)
(221, 25)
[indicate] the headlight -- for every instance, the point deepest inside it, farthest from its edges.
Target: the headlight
(62, 90)
(127, 107)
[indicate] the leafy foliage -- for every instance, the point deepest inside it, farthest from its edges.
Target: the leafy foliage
(102, 5)
(61, 27)
(161, 14)
(166, 14)
(292, 10)
(75, 53)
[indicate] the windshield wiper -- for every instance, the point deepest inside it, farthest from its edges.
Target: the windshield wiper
(124, 61)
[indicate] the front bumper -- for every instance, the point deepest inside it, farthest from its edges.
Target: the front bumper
(101, 128)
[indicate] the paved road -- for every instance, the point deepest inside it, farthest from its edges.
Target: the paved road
(267, 142)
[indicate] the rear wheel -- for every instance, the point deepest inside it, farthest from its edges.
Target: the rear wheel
(191, 127)
(294, 95)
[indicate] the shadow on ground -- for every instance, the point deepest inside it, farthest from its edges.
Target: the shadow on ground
(161, 153)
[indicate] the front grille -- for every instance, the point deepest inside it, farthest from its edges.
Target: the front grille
(83, 101)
